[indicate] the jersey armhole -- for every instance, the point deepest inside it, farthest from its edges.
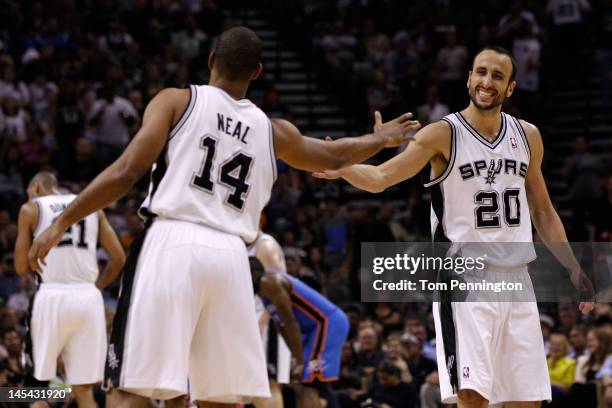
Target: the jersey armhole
(272, 151)
(523, 134)
(451, 161)
(193, 96)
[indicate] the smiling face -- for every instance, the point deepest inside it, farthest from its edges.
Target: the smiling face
(489, 80)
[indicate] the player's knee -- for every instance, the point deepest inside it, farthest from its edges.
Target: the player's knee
(471, 399)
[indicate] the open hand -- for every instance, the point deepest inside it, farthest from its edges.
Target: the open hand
(43, 244)
(396, 130)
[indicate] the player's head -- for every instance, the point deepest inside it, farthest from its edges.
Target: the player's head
(42, 184)
(237, 56)
(491, 79)
(257, 270)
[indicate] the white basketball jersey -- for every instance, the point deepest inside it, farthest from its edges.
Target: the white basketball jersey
(481, 195)
(218, 166)
(73, 260)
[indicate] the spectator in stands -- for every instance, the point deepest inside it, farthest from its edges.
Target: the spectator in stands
(603, 52)
(602, 226)
(584, 391)
(581, 170)
(452, 63)
(113, 119)
(393, 353)
(414, 326)
(11, 86)
(391, 391)
(9, 280)
(432, 110)
(190, 42)
(13, 120)
(12, 341)
(369, 353)
(389, 317)
(526, 49)
(578, 341)
(334, 225)
(513, 23)
(568, 21)
(339, 47)
(561, 367)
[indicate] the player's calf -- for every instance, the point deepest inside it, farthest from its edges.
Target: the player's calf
(471, 399)
(84, 395)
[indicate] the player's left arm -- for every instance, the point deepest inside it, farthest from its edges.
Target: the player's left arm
(544, 216)
(26, 223)
(116, 256)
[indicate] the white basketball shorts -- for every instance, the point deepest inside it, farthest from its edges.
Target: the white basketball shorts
(191, 315)
(68, 321)
(493, 348)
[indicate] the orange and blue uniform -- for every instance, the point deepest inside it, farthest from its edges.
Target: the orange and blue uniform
(323, 326)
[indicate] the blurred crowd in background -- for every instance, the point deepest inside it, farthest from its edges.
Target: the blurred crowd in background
(75, 78)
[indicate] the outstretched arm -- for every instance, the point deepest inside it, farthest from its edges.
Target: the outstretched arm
(119, 177)
(545, 219)
(310, 154)
(429, 142)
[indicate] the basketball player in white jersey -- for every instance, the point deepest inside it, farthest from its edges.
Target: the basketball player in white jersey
(67, 310)
(278, 355)
(186, 307)
(487, 186)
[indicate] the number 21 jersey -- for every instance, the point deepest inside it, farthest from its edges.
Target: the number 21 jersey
(218, 166)
(73, 260)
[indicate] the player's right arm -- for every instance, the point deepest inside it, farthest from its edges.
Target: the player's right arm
(311, 154)
(116, 256)
(26, 223)
(429, 142)
(161, 113)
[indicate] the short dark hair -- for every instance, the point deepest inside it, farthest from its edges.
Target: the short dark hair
(387, 367)
(503, 51)
(46, 178)
(237, 53)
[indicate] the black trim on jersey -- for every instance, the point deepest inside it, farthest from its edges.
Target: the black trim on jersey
(161, 166)
(447, 323)
(272, 351)
(449, 340)
(451, 160)
(272, 151)
(437, 203)
(479, 137)
(114, 355)
(521, 132)
(319, 317)
(193, 97)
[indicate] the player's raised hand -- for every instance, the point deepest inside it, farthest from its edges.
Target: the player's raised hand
(396, 130)
(43, 244)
